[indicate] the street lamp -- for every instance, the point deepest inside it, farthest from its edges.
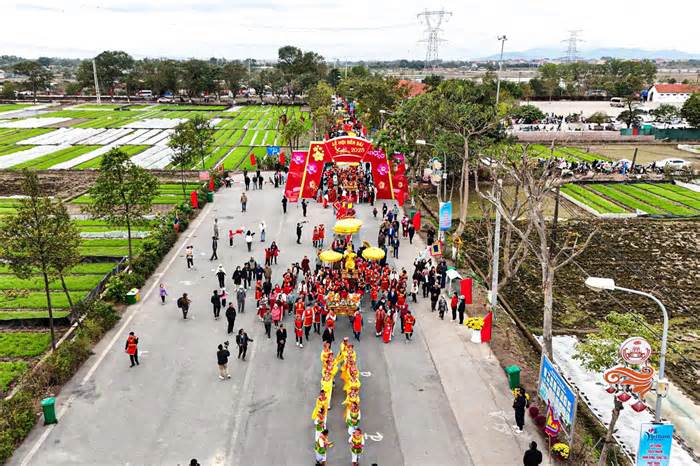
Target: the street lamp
(423, 142)
(503, 40)
(608, 284)
(383, 112)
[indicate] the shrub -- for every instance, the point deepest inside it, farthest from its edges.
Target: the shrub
(534, 411)
(540, 421)
(17, 418)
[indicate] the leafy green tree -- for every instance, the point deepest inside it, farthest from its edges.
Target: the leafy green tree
(320, 100)
(691, 110)
(37, 75)
(8, 91)
(112, 68)
(632, 117)
(73, 88)
(372, 93)
(599, 118)
(334, 77)
(601, 351)
(191, 141)
(359, 71)
(197, 77)
(528, 113)
(666, 114)
(234, 73)
(433, 80)
(123, 192)
(39, 236)
(292, 132)
(301, 69)
(159, 75)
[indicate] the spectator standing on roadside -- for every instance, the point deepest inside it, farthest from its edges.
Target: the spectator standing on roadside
(240, 299)
(230, 318)
(281, 340)
(262, 231)
(249, 239)
(221, 275)
(284, 204)
(244, 201)
(222, 360)
(189, 256)
(214, 247)
(304, 205)
(216, 227)
(132, 349)
(216, 304)
(532, 457)
(267, 322)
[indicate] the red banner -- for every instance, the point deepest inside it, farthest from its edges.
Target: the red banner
(295, 176)
(416, 221)
(193, 200)
(252, 159)
(486, 329)
(380, 174)
(313, 168)
(465, 289)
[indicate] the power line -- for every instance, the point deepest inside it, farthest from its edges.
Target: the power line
(433, 21)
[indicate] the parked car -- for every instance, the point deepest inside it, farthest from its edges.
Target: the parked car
(676, 164)
(617, 102)
(165, 100)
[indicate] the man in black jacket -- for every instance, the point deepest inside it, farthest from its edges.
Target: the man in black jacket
(216, 304)
(532, 457)
(281, 340)
(230, 317)
(328, 336)
(222, 359)
(242, 340)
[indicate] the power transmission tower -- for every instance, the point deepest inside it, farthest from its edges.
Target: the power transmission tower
(433, 22)
(572, 47)
(97, 84)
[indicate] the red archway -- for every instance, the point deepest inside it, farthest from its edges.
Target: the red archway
(305, 168)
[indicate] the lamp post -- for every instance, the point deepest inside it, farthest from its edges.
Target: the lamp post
(600, 284)
(383, 112)
(423, 142)
(503, 40)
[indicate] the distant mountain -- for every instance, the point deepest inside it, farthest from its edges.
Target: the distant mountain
(593, 54)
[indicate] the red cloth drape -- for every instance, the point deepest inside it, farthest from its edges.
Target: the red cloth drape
(486, 329)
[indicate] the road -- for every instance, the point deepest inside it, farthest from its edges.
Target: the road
(173, 407)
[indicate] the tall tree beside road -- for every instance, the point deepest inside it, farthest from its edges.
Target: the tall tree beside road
(112, 68)
(191, 141)
(320, 100)
(38, 237)
(539, 181)
(158, 75)
(292, 132)
(691, 110)
(601, 351)
(197, 77)
(37, 75)
(123, 192)
(632, 116)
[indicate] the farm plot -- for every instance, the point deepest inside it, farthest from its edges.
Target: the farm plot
(12, 136)
(53, 158)
(38, 122)
(646, 198)
(13, 107)
(92, 160)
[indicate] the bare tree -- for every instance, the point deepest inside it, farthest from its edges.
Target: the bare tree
(539, 179)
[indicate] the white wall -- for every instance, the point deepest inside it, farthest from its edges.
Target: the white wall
(667, 98)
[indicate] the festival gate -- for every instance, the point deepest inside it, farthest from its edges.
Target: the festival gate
(306, 168)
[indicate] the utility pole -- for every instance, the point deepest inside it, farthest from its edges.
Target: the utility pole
(503, 40)
(496, 249)
(97, 84)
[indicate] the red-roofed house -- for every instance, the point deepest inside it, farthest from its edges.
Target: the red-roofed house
(414, 87)
(671, 93)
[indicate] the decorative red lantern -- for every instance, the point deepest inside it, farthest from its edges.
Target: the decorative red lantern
(610, 389)
(639, 406)
(623, 397)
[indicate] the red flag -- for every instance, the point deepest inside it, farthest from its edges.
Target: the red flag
(252, 159)
(283, 159)
(465, 289)
(194, 199)
(486, 329)
(416, 221)
(211, 185)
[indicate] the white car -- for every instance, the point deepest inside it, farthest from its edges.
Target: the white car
(676, 164)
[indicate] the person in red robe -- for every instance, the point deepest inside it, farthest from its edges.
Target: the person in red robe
(386, 332)
(379, 319)
(408, 323)
(357, 325)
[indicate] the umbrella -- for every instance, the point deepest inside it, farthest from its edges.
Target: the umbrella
(330, 256)
(347, 226)
(373, 254)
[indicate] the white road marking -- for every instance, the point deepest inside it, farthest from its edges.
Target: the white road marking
(366, 374)
(377, 437)
(117, 335)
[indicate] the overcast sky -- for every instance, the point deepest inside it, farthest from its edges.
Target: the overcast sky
(355, 29)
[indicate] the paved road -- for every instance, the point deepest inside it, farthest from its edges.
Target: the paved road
(173, 407)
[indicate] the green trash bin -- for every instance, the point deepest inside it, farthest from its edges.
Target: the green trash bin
(513, 373)
(48, 406)
(210, 196)
(133, 296)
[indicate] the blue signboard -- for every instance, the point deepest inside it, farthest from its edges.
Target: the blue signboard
(445, 216)
(655, 444)
(554, 389)
(273, 150)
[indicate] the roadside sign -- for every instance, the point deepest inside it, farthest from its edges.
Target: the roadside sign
(655, 444)
(273, 150)
(554, 389)
(445, 216)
